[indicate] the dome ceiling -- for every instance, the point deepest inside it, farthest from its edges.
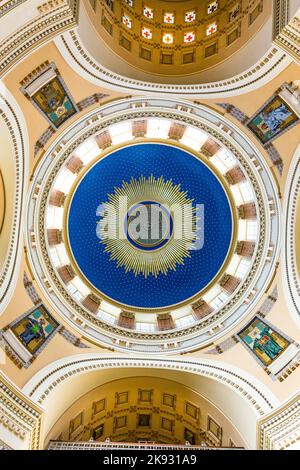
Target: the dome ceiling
(177, 38)
(149, 223)
(140, 265)
(124, 281)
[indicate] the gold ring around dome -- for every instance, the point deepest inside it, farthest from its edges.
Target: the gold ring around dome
(227, 258)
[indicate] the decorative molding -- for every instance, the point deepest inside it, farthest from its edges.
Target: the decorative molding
(55, 18)
(280, 429)
(50, 5)
(31, 290)
(290, 274)
(41, 386)
(2, 201)
(91, 100)
(10, 5)
(288, 38)
(41, 29)
(280, 16)
(15, 122)
(71, 46)
(112, 446)
(19, 415)
(4, 446)
(44, 139)
(73, 339)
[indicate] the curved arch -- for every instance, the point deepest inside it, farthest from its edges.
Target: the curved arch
(217, 380)
(14, 121)
(290, 272)
(271, 64)
(268, 61)
(2, 201)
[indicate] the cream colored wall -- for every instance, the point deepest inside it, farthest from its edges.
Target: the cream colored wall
(21, 16)
(239, 356)
(2, 201)
(80, 89)
(230, 404)
(58, 347)
(250, 102)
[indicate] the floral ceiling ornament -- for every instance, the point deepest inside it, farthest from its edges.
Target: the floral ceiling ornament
(169, 18)
(148, 12)
(190, 16)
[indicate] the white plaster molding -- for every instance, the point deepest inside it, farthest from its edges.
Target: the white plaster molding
(280, 429)
(30, 32)
(260, 398)
(16, 123)
(285, 358)
(21, 420)
(290, 276)
(71, 47)
(31, 28)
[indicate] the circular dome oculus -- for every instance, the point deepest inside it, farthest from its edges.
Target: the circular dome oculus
(134, 255)
(148, 225)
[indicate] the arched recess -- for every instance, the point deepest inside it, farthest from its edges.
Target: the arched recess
(291, 242)
(251, 67)
(241, 397)
(154, 408)
(14, 168)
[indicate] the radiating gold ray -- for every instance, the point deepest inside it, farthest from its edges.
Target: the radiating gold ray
(141, 261)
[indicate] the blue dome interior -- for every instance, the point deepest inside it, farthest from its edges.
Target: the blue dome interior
(201, 185)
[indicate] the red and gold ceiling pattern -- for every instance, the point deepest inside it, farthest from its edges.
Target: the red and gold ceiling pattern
(179, 37)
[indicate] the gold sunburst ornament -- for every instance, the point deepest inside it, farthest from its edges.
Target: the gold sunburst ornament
(148, 226)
